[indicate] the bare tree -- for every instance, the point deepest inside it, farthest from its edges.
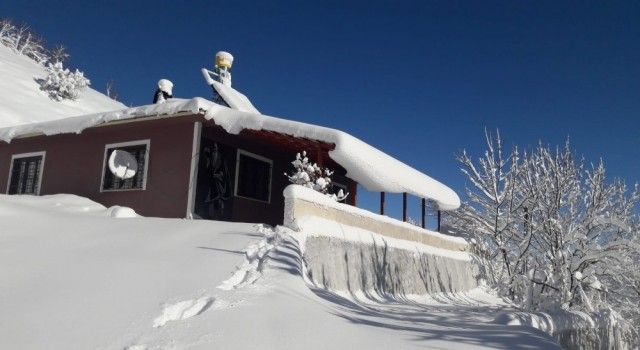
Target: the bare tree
(111, 90)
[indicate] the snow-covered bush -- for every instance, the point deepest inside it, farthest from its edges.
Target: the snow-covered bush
(313, 176)
(552, 231)
(61, 83)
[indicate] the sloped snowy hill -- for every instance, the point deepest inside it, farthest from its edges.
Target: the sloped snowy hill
(22, 101)
(74, 277)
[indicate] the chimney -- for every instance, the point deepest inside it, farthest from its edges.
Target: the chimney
(223, 63)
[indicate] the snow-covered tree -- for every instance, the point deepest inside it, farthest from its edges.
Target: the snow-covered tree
(61, 83)
(313, 176)
(553, 232)
(59, 54)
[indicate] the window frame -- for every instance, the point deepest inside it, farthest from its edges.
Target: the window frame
(28, 155)
(242, 152)
(145, 142)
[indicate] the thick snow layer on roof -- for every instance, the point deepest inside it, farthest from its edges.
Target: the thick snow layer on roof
(370, 167)
(234, 98)
(22, 101)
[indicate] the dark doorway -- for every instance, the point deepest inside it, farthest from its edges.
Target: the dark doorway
(214, 190)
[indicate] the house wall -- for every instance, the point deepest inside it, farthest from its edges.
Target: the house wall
(74, 164)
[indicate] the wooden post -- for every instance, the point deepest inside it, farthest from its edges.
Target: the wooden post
(381, 203)
(319, 157)
(439, 219)
(424, 213)
(404, 206)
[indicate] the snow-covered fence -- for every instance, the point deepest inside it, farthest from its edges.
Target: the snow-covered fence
(303, 203)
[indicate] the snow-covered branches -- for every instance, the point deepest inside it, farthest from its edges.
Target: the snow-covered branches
(63, 84)
(313, 176)
(553, 231)
(23, 40)
(60, 82)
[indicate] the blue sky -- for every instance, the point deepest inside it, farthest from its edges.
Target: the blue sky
(420, 80)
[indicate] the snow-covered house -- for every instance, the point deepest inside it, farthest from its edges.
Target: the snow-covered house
(196, 158)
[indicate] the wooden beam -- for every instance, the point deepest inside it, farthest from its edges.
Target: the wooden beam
(404, 207)
(424, 213)
(381, 203)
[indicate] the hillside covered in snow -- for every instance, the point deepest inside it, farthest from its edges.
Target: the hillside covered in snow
(77, 275)
(22, 100)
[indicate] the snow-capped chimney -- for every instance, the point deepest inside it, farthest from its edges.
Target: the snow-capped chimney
(223, 63)
(220, 74)
(164, 91)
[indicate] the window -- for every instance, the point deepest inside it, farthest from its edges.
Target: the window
(25, 175)
(125, 166)
(253, 176)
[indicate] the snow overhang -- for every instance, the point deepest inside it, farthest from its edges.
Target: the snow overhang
(365, 164)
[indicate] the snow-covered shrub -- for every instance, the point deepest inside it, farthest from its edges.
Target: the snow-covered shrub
(313, 176)
(62, 84)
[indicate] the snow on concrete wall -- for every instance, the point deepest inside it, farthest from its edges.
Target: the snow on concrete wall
(349, 266)
(302, 203)
(348, 249)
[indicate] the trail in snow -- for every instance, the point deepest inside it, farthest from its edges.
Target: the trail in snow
(256, 256)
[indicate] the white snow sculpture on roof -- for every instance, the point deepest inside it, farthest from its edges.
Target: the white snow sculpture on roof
(123, 164)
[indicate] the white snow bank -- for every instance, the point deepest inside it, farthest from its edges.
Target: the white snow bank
(67, 203)
(573, 329)
(370, 167)
(73, 279)
(22, 101)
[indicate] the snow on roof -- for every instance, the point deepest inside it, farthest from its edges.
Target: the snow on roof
(370, 167)
(234, 98)
(22, 101)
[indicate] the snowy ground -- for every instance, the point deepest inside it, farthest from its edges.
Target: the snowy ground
(74, 277)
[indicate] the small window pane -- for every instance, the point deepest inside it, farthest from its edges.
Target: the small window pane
(25, 175)
(254, 178)
(113, 183)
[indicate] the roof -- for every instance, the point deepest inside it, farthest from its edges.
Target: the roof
(365, 164)
(22, 101)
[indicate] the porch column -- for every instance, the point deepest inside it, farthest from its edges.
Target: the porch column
(381, 203)
(424, 213)
(439, 219)
(404, 206)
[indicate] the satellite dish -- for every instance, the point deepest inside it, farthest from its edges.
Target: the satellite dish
(123, 164)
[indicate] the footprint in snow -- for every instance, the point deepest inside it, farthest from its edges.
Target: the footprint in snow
(183, 310)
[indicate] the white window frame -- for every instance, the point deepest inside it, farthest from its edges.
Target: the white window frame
(147, 143)
(237, 175)
(27, 155)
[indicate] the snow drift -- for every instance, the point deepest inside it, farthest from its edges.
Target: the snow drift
(75, 278)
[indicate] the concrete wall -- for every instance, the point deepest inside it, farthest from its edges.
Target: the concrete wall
(296, 207)
(352, 250)
(342, 265)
